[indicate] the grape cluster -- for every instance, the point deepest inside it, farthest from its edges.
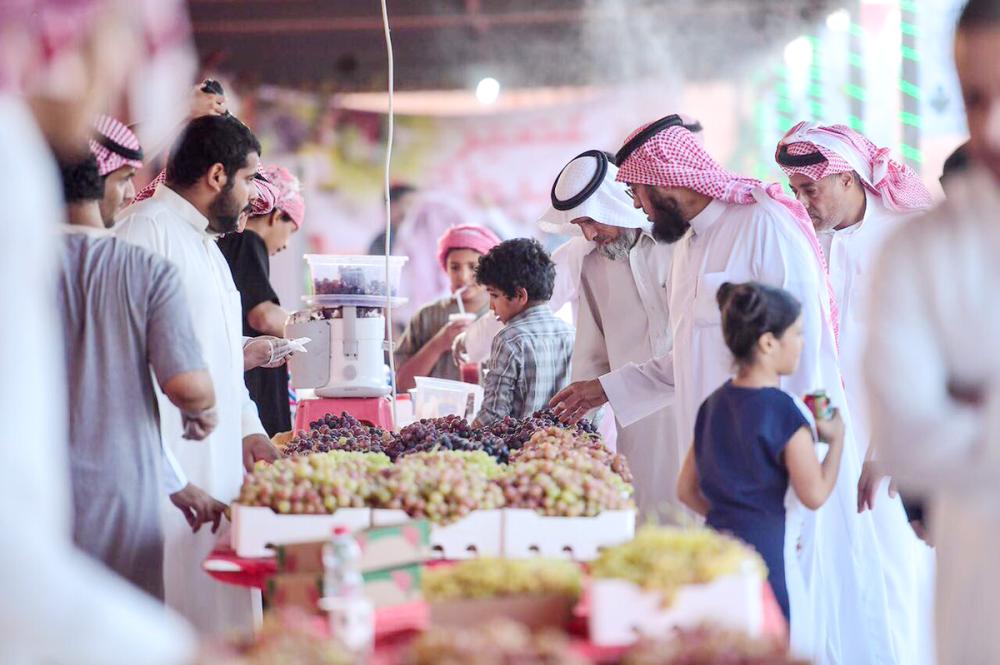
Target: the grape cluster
(314, 484)
(447, 433)
(497, 642)
(664, 559)
(353, 281)
(491, 578)
(708, 645)
(343, 432)
(575, 485)
(552, 442)
(516, 432)
(442, 487)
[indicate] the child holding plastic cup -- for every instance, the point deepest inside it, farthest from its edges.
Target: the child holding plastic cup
(752, 440)
(425, 347)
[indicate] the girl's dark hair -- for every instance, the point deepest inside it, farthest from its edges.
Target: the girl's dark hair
(749, 311)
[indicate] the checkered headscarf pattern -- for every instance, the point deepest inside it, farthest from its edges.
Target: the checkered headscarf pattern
(114, 145)
(846, 150)
(675, 158)
(287, 192)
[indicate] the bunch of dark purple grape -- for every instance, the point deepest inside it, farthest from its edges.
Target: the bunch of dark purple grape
(516, 432)
(353, 281)
(343, 432)
(447, 433)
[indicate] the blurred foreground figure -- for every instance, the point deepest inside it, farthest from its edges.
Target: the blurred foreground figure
(932, 363)
(58, 62)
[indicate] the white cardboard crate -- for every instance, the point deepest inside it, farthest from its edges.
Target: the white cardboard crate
(255, 527)
(477, 534)
(528, 534)
(621, 612)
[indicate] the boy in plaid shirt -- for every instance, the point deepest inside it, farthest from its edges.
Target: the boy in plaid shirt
(530, 358)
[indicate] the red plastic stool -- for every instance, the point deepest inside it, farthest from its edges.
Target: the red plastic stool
(370, 410)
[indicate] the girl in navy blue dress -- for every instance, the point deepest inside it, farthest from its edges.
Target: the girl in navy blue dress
(752, 439)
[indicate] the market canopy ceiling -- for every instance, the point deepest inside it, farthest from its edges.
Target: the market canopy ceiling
(452, 44)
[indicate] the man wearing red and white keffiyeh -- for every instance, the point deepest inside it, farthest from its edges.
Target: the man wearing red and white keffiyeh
(119, 156)
(857, 196)
(728, 228)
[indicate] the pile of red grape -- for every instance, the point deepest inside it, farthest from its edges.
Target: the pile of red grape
(353, 281)
(574, 485)
(442, 487)
(314, 484)
(707, 645)
(447, 433)
(516, 432)
(552, 442)
(343, 432)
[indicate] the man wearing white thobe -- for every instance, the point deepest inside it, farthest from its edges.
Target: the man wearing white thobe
(209, 182)
(622, 313)
(857, 196)
(932, 362)
(732, 229)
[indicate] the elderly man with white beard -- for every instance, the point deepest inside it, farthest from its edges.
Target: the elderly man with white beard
(622, 315)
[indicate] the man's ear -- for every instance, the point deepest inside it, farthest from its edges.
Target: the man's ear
(847, 179)
(521, 294)
(274, 217)
(216, 177)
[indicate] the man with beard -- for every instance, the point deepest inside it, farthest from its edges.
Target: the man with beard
(857, 196)
(118, 155)
(209, 181)
(622, 315)
(932, 361)
(734, 229)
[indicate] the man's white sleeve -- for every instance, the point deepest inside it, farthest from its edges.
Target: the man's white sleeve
(636, 391)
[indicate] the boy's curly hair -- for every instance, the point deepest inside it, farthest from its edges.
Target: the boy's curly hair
(518, 263)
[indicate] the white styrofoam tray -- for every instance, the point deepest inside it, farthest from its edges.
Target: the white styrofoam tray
(254, 528)
(477, 534)
(621, 612)
(528, 534)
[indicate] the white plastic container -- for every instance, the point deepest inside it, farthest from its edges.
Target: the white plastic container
(480, 533)
(255, 527)
(352, 280)
(621, 612)
(528, 534)
(440, 397)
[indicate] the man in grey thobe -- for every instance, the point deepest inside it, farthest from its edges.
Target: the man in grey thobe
(124, 311)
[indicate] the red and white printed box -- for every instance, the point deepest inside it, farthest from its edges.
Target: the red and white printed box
(477, 534)
(254, 527)
(528, 534)
(621, 612)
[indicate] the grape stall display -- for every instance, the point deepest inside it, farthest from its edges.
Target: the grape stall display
(352, 282)
(664, 559)
(343, 432)
(442, 487)
(314, 484)
(574, 485)
(552, 442)
(491, 578)
(447, 433)
(516, 432)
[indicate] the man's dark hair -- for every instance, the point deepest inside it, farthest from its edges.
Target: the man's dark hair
(209, 140)
(396, 192)
(81, 181)
(979, 14)
(518, 263)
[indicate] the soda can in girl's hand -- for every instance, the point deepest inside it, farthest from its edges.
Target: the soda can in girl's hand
(819, 404)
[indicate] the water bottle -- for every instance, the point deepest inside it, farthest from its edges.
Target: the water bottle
(350, 613)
